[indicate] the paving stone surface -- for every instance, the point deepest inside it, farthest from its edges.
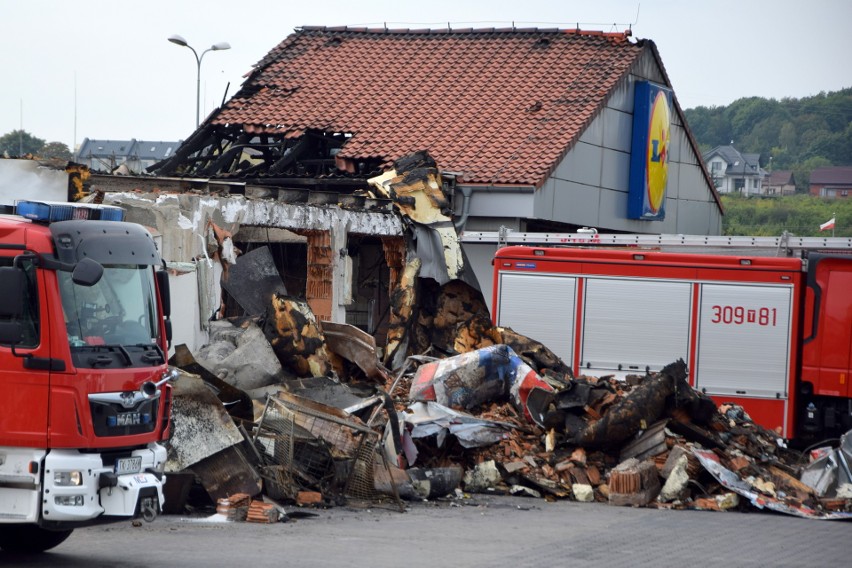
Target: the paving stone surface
(482, 531)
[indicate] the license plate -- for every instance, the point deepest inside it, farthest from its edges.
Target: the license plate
(128, 465)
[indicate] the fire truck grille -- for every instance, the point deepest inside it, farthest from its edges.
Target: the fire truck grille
(113, 419)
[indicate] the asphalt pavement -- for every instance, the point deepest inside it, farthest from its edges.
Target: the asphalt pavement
(492, 531)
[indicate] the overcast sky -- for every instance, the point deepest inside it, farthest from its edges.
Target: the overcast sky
(104, 69)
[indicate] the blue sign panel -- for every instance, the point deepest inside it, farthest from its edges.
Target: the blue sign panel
(649, 153)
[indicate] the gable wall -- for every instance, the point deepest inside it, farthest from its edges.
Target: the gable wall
(590, 185)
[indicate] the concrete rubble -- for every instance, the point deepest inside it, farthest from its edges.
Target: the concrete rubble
(307, 413)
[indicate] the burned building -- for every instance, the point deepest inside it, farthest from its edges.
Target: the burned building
(531, 129)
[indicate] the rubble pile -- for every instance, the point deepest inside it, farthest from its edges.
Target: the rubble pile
(313, 413)
(484, 421)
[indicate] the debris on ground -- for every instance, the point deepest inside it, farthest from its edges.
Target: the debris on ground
(486, 421)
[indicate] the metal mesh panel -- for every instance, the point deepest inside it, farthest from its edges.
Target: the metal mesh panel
(300, 445)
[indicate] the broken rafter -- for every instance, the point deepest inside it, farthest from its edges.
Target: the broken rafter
(227, 156)
(194, 144)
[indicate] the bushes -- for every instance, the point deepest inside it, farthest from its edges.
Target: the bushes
(799, 214)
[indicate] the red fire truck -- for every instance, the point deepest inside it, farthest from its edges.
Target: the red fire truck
(770, 333)
(84, 377)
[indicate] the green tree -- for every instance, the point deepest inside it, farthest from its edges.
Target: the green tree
(20, 143)
(789, 130)
(787, 137)
(746, 114)
(802, 171)
(57, 150)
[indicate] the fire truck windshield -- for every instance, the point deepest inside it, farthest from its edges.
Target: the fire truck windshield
(119, 310)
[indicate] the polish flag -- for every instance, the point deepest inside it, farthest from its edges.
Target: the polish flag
(827, 225)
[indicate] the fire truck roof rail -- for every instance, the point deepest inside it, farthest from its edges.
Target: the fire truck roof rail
(784, 242)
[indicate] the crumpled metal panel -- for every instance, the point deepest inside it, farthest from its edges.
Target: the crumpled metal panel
(735, 483)
(254, 281)
(227, 473)
(433, 419)
(354, 345)
(200, 425)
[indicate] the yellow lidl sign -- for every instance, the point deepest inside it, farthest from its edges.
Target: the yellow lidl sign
(649, 153)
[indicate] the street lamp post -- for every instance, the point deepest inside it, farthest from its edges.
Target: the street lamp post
(178, 40)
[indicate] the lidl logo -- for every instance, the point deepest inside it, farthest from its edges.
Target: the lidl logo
(658, 150)
(650, 152)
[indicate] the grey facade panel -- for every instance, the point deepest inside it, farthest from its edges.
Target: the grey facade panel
(616, 170)
(479, 257)
(576, 203)
(493, 224)
(621, 97)
(679, 149)
(694, 218)
(545, 200)
(594, 133)
(618, 129)
(500, 203)
(693, 185)
(646, 69)
(613, 215)
(673, 182)
(581, 165)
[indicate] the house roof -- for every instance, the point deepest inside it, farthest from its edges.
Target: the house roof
(832, 175)
(780, 177)
(737, 163)
(139, 149)
(155, 150)
(105, 148)
(501, 106)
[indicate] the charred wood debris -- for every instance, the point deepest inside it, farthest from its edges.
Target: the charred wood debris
(280, 412)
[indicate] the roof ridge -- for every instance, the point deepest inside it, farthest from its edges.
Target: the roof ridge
(450, 30)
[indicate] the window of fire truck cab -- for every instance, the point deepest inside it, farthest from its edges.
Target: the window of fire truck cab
(120, 309)
(29, 318)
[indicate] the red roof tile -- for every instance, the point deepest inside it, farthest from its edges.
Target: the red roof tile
(501, 106)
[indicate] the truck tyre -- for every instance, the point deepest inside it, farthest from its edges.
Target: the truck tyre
(30, 538)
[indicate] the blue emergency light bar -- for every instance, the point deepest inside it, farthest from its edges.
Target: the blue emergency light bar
(52, 211)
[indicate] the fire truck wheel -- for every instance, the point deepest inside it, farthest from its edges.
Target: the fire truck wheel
(30, 538)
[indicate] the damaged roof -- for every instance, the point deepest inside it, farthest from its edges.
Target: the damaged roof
(499, 106)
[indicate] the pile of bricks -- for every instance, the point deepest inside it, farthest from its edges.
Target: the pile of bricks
(260, 512)
(656, 467)
(234, 507)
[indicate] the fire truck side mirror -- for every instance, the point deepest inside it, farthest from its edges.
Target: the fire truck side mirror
(165, 295)
(12, 286)
(87, 272)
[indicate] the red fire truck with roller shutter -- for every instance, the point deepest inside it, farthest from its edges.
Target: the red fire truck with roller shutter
(770, 333)
(84, 378)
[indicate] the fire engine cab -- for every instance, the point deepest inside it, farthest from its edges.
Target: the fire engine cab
(84, 334)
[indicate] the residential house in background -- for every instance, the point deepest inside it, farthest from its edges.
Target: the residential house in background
(733, 172)
(779, 182)
(123, 156)
(832, 182)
